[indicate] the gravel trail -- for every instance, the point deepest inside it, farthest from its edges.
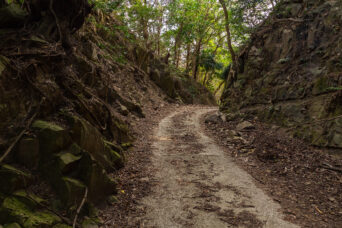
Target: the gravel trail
(197, 185)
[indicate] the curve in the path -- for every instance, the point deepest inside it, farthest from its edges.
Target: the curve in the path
(198, 185)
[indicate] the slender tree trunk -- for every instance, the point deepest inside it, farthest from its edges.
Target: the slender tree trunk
(177, 44)
(232, 76)
(206, 78)
(144, 24)
(188, 50)
(272, 3)
(219, 87)
(229, 40)
(196, 58)
(179, 54)
(159, 29)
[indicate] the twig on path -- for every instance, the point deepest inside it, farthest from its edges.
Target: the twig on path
(330, 167)
(80, 207)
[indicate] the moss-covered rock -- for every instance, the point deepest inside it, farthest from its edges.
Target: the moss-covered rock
(14, 210)
(28, 198)
(74, 149)
(95, 177)
(52, 138)
(90, 140)
(71, 191)
(89, 223)
(67, 162)
(12, 179)
(114, 147)
(116, 159)
(12, 225)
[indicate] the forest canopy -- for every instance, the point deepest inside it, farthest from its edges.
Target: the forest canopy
(191, 32)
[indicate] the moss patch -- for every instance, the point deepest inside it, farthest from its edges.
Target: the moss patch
(13, 209)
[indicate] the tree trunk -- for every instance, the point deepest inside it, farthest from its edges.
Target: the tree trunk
(196, 59)
(179, 54)
(206, 78)
(188, 50)
(229, 40)
(159, 29)
(219, 87)
(272, 3)
(177, 44)
(144, 24)
(234, 69)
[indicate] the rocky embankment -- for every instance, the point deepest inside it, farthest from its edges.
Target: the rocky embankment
(67, 112)
(291, 72)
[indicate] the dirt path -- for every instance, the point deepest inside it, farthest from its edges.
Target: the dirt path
(197, 185)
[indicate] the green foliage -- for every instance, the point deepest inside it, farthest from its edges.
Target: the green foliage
(187, 28)
(107, 5)
(208, 62)
(225, 72)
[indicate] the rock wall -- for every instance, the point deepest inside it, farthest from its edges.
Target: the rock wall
(291, 72)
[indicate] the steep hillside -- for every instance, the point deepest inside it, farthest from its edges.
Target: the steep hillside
(66, 109)
(291, 72)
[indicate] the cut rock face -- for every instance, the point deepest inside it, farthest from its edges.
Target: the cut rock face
(52, 138)
(290, 84)
(99, 183)
(90, 140)
(70, 160)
